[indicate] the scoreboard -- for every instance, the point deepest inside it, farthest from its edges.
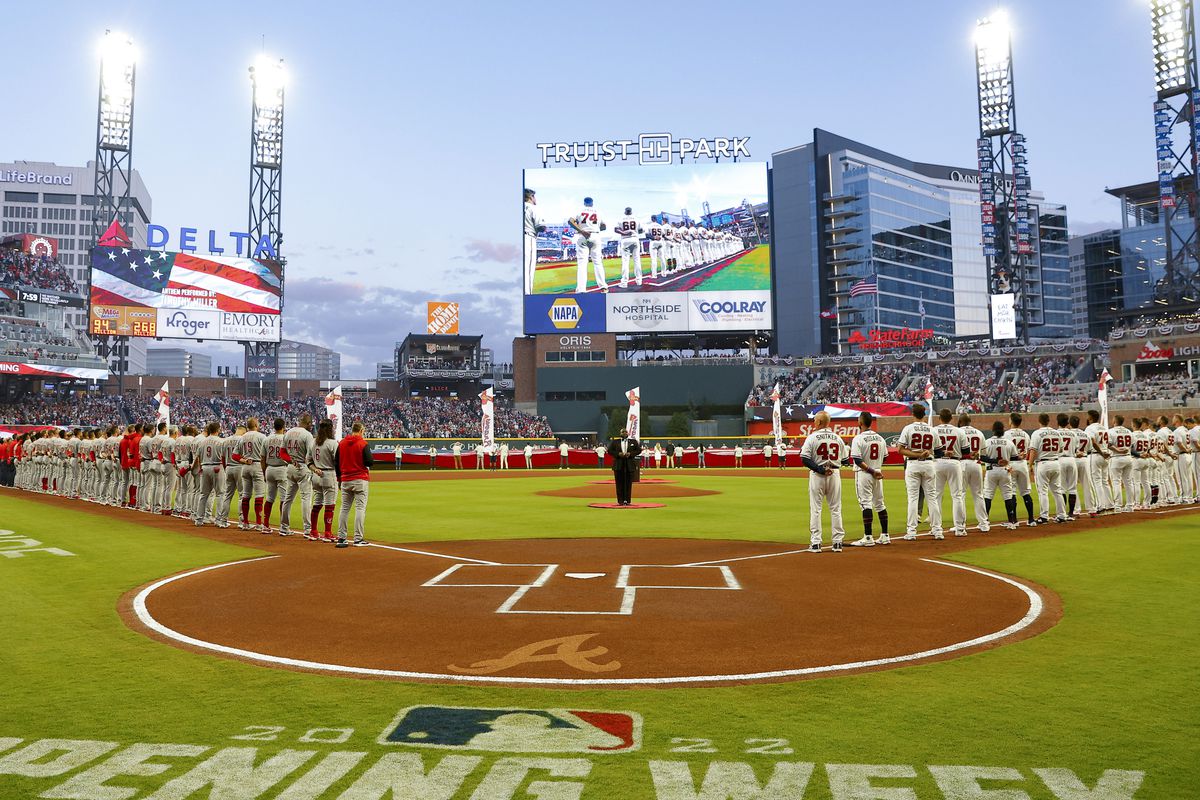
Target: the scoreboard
(123, 321)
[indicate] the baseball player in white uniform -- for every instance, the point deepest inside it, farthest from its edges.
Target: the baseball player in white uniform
(1141, 463)
(823, 453)
(630, 246)
(655, 232)
(1120, 465)
(1020, 468)
(1166, 452)
(532, 228)
(588, 225)
(999, 454)
(916, 444)
(1085, 487)
(972, 472)
(1184, 472)
(1066, 463)
(868, 450)
(1045, 446)
(1098, 461)
(947, 471)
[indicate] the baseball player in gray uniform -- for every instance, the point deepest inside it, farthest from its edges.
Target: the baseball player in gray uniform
(275, 472)
(185, 456)
(209, 460)
(322, 463)
(298, 445)
(823, 453)
(233, 475)
(254, 481)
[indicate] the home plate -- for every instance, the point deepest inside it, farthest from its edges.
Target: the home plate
(583, 576)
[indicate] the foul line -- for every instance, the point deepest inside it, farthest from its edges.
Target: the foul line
(1036, 606)
(441, 555)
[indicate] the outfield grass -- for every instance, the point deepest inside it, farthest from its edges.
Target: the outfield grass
(1111, 687)
(751, 271)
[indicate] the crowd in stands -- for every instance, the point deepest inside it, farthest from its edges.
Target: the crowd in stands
(448, 417)
(41, 272)
(417, 417)
(975, 384)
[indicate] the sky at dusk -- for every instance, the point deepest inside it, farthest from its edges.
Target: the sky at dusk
(408, 124)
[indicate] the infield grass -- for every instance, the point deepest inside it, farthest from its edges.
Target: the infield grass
(1112, 686)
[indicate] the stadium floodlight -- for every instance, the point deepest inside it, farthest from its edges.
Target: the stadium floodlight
(117, 65)
(993, 62)
(1172, 23)
(268, 79)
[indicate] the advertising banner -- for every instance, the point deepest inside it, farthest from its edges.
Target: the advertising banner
(261, 368)
(179, 323)
(247, 292)
(56, 299)
(584, 313)
(52, 371)
(1004, 317)
(729, 311)
(442, 318)
(638, 233)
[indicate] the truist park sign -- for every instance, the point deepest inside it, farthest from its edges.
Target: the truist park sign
(647, 148)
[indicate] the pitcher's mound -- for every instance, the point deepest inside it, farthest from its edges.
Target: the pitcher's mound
(640, 489)
(631, 505)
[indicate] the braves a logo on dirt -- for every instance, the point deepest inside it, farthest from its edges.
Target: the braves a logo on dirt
(515, 730)
(564, 649)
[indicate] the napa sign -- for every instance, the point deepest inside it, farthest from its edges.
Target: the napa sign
(159, 236)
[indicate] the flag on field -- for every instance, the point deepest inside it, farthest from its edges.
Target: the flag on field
(634, 421)
(829, 313)
(865, 286)
(122, 276)
(1102, 397)
(929, 398)
(163, 398)
(488, 423)
(776, 418)
(333, 411)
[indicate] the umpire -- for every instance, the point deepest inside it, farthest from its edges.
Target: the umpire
(625, 453)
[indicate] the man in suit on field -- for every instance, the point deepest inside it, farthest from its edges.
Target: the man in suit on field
(625, 453)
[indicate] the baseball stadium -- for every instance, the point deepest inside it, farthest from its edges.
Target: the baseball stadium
(783, 495)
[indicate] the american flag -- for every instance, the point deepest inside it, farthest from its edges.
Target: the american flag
(123, 276)
(865, 286)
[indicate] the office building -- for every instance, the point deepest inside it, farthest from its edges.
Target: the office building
(176, 362)
(307, 362)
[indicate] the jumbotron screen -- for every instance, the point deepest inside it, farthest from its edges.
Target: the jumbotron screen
(663, 249)
(154, 293)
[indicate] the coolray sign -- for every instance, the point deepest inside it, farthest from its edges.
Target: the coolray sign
(178, 323)
(249, 327)
(651, 311)
(29, 176)
(729, 311)
(648, 148)
(158, 236)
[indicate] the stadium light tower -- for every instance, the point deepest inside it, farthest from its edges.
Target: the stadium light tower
(1006, 219)
(1175, 132)
(267, 79)
(114, 156)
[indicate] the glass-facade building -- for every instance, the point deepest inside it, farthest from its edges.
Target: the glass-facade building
(844, 212)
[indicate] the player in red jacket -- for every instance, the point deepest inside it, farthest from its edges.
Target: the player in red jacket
(354, 462)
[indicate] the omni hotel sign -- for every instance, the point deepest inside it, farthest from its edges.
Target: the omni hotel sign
(647, 148)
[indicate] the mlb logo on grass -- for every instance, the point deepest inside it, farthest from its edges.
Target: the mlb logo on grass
(516, 730)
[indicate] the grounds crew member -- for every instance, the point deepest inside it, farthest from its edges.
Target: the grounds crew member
(868, 450)
(823, 453)
(275, 471)
(297, 448)
(354, 476)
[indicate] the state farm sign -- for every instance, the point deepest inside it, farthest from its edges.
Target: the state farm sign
(879, 339)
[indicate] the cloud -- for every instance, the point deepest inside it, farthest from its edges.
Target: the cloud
(364, 322)
(489, 251)
(1080, 228)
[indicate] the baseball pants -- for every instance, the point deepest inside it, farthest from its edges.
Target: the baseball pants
(658, 259)
(631, 250)
(997, 479)
(530, 262)
(1120, 469)
(210, 492)
(825, 489)
(1186, 476)
(1101, 489)
(1085, 486)
(585, 251)
(972, 481)
(869, 491)
(298, 483)
(233, 480)
(918, 476)
(354, 493)
(948, 473)
(1049, 482)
